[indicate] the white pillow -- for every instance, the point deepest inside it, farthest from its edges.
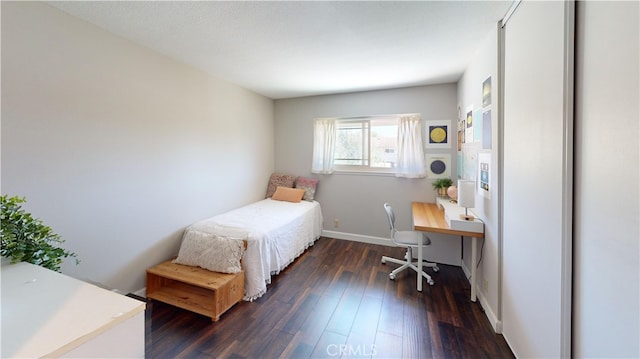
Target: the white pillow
(210, 251)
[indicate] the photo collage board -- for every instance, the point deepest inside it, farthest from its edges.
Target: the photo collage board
(475, 142)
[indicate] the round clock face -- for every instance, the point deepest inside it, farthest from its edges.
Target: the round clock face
(437, 135)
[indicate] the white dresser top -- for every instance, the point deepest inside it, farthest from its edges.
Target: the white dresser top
(45, 313)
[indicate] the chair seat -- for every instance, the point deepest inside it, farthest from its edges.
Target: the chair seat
(410, 238)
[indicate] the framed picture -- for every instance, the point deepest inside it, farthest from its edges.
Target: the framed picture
(438, 134)
(438, 165)
(486, 92)
(468, 131)
(486, 130)
(484, 174)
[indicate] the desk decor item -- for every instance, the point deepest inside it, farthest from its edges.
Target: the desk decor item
(441, 185)
(452, 192)
(466, 197)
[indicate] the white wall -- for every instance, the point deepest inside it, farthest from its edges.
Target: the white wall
(484, 64)
(356, 200)
(607, 235)
(118, 148)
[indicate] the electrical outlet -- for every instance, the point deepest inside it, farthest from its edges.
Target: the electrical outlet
(336, 223)
(485, 285)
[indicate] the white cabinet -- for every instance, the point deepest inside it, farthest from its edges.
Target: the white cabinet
(48, 314)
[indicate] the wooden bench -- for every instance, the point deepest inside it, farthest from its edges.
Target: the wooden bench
(195, 289)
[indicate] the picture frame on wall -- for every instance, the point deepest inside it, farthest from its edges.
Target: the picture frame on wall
(486, 130)
(438, 165)
(460, 128)
(486, 92)
(477, 126)
(484, 174)
(438, 134)
(468, 124)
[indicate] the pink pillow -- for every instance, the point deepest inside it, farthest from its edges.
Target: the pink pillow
(309, 186)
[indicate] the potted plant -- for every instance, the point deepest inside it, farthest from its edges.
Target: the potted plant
(441, 185)
(27, 239)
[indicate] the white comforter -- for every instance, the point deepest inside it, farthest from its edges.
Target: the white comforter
(277, 233)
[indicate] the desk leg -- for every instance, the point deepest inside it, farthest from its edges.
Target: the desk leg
(420, 263)
(474, 259)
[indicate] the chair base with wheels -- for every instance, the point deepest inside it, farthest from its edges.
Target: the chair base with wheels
(412, 264)
(410, 240)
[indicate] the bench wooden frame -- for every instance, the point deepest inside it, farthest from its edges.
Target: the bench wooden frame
(195, 289)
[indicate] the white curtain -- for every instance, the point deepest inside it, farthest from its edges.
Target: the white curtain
(324, 140)
(410, 162)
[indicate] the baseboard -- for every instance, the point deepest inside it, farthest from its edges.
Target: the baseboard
(467, 272)
(141, 292)
(493, 319)
(358, 238)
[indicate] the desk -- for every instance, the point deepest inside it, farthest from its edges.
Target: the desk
(428, 217)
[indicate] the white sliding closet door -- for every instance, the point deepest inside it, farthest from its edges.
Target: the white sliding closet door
(606, 282)
(536, 177)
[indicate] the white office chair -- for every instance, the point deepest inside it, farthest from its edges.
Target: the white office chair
(410, 240)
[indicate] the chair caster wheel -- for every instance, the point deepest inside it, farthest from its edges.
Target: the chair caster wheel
(436, 269)
(383, 261)
(392, 276)
(430, 282)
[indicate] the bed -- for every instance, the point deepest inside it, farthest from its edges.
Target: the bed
(276, 232)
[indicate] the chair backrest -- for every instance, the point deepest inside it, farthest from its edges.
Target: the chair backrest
(392, 218)
(406, 239)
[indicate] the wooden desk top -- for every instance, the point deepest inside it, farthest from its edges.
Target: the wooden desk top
(427, 217)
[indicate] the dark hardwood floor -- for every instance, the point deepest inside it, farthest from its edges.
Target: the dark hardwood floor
(336, 300)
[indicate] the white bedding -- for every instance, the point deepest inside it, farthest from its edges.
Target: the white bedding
(277, 232)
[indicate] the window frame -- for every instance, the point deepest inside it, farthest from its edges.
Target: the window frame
(367, 169)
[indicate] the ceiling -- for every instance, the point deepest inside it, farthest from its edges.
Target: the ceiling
(284, 49)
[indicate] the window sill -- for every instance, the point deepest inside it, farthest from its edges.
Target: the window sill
(364, 173)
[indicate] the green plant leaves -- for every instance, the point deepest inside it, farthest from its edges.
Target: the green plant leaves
(24, 238)
(442, 183)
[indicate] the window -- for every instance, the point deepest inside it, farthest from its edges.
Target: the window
(368, 144)
(380, 144)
